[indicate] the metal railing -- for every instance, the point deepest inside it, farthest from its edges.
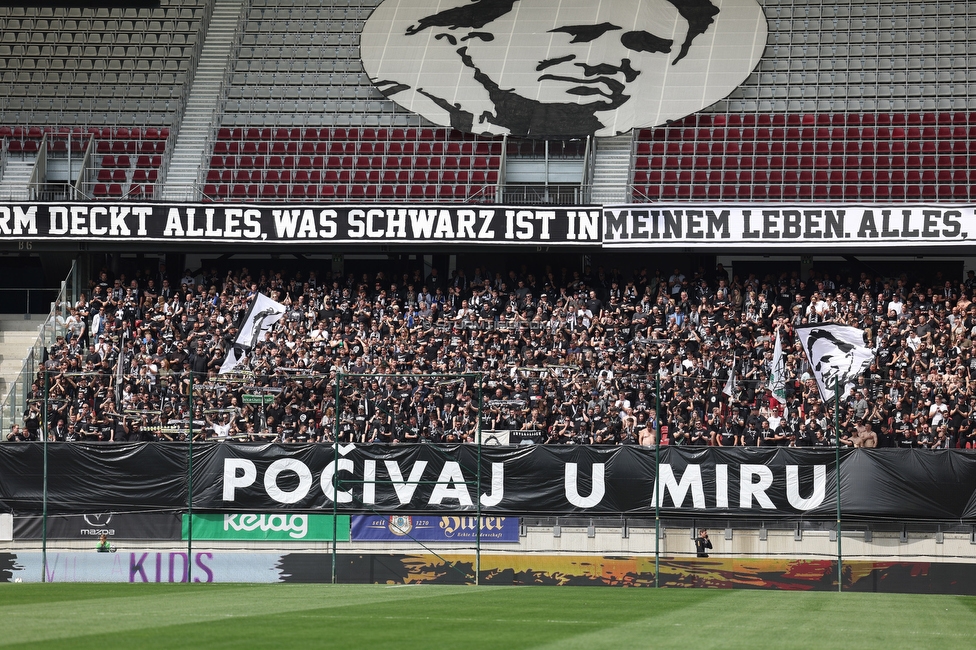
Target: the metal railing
(544, 194)
(347, 192)
(18, 390)
(39, 173)
(509, 194)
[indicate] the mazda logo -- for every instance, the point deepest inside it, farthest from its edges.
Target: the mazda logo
(99, 520)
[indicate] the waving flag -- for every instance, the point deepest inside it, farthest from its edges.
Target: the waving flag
(729, 388)
(262, 315)
(777, 374)
(837, 354)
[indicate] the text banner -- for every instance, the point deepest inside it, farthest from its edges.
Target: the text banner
(286, 224)
(279, 527)
(658, 225)
(527, 479)
(128, 525)
(820, 225)
(406, 528)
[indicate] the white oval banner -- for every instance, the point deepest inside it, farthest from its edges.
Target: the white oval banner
(560, 68)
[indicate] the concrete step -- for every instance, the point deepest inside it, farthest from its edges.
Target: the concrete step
(15, 321)
(18, 334)
(17, 339)
(16, 349)
(611, 169)
(201, 110)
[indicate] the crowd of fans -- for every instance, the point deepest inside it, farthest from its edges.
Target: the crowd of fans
(564, 357)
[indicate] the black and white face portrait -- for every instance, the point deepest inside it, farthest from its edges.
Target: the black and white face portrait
(836, 360)
(560, 68)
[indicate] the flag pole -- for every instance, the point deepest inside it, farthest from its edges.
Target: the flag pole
(189, 486)
(657, 486)
(44, 424)
(335, 481)
(840, 569)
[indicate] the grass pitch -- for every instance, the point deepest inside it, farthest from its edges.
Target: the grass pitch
(80, 616)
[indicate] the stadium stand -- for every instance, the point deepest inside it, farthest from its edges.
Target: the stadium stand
(569, 358)
(852, 157)
(851, 101)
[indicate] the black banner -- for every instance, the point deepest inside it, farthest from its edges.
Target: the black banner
(641, 226)
(529, 479)
(127, 525)
(287, 224)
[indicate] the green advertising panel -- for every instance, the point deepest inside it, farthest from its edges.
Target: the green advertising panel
(277, 527)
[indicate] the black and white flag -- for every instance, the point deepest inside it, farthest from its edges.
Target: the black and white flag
(776, 383)
(729, 388)
(837, 355)
(262, 315)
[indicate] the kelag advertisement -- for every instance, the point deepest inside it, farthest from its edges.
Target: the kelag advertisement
(267, 527)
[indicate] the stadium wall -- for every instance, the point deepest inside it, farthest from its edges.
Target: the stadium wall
(420, 568)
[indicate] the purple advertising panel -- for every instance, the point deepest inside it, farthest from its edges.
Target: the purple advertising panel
(392, 528)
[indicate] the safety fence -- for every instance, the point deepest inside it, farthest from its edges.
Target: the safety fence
(400, 481)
